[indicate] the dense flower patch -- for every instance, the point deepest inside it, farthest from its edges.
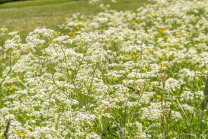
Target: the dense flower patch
(114, 75)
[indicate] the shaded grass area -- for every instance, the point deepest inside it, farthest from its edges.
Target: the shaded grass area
(26, 16)
(5, 1)
(28, 3)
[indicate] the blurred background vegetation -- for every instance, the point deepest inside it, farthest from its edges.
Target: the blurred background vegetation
(25, 16)
(4, 1)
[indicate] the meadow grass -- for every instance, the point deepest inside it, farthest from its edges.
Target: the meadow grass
(128, 74)
(26, 16)
(31, 3)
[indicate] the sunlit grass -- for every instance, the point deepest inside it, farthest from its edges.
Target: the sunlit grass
(27, 15)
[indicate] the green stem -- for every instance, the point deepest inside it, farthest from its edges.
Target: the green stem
(10, 69)
(201, 123)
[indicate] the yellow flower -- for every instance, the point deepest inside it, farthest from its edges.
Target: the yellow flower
(14, 50)
(174, 103)
(17, 78)
(151, 85)
(131, 54)
(122, 59)
(153, 49)
(142, 90)
(148, 53)
(91, 88)
(115, 78)
(71, 37)
(153, 14)
(25, 130)
(12, 87)
(161, 64)
(158, 95)
(109, 77)
(120, 54)
(49, 42)
(21, 134)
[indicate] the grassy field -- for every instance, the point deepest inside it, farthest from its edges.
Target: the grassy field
(27, 15)
(21, 4)
(104, 74)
